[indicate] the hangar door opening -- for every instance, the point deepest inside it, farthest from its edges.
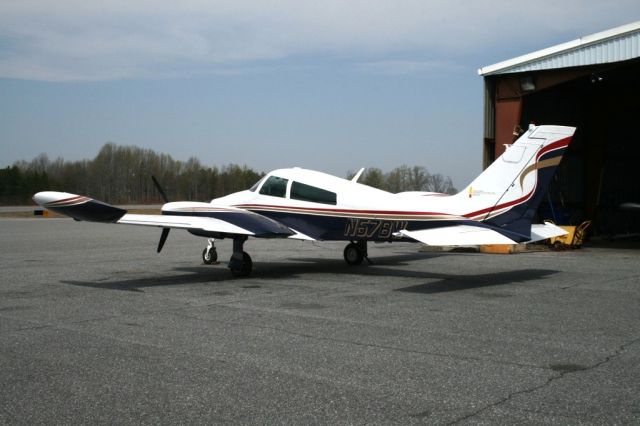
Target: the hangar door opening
(600, 173)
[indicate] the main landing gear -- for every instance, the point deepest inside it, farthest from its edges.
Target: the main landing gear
(355, 252)
(240, 263)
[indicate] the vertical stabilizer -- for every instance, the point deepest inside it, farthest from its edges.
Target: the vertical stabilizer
(507, 194)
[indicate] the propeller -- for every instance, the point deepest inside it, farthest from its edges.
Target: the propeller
(165, 231)
(163, 238)
(159, 188)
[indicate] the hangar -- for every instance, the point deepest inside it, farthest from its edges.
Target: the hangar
(592, 83)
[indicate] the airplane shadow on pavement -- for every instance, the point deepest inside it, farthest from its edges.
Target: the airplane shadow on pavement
(394, 266)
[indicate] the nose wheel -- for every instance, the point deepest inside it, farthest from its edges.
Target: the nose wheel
(210, 254)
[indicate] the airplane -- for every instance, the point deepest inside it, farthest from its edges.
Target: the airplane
(496, 208)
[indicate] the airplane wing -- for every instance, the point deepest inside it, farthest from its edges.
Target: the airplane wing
(203, 219)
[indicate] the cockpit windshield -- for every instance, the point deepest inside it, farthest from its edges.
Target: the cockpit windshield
(275, 186)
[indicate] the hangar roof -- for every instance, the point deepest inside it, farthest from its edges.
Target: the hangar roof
(614, 45)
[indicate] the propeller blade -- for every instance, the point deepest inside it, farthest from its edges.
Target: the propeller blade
(163, 238)
(159, 188)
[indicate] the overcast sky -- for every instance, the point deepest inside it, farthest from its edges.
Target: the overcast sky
(329, 85)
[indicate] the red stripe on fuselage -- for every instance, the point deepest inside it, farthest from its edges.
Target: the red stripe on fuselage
(342, 211)
(502, 206)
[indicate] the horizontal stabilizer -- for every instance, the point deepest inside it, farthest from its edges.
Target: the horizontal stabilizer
(458, 235)
(541, 232)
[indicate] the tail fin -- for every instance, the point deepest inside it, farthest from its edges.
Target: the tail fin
(507, 194)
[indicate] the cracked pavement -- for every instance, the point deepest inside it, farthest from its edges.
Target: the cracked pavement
(95, 327)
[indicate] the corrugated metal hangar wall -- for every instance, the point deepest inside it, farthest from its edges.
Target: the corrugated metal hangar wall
(593, 84)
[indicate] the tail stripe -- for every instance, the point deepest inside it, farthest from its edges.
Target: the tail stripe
(560, 144)
(549, 162)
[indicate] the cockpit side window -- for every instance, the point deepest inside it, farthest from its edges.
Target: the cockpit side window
(275, 186)
(300, 191)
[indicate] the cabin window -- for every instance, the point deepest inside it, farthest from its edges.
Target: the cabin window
(300, 191)
(274, 186)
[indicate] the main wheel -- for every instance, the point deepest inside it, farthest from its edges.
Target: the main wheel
(211, 257)
(353, 255)
(241, 268)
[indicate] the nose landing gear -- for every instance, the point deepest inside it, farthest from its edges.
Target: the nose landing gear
(210, 254)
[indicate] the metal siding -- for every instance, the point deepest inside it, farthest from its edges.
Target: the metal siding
(489, 110)
(616, 49)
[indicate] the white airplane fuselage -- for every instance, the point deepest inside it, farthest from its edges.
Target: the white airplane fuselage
(359, 211)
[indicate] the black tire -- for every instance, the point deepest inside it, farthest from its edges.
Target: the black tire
(353, 255)
(211, 258)
(241, 269)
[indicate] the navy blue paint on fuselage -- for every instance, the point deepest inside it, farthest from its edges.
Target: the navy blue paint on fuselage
(332, 228)
(516, 222)
(319, 227)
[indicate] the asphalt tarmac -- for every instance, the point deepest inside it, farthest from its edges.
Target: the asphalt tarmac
(96, 328)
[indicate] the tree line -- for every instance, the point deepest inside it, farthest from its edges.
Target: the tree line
(122, 175)
(406, 178)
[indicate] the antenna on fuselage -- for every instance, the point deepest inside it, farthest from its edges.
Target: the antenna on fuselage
(357, 176)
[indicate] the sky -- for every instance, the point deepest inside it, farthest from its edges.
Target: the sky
(331, 85)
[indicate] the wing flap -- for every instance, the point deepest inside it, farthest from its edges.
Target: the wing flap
(207, 224)
(458, 235)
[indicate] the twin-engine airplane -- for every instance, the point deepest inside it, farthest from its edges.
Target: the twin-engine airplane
(496, 208)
